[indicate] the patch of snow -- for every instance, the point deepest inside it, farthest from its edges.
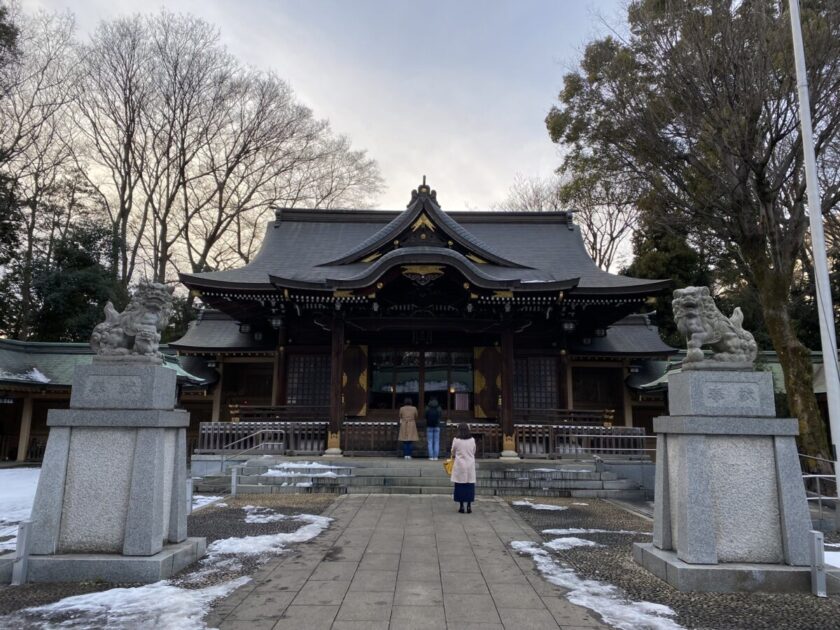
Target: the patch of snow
(165, 604)
(304, 465)
(832, 558)
(578, 530)
(580, 504)
(832, 544)
(563, 544)
(19, 486)
(254, 514)
(221, 505)
(158, 605)
(32, 376)
(202, 500)
(269, 543)
(285, 472)
(540, 506)
(605, 599)
(303, 484)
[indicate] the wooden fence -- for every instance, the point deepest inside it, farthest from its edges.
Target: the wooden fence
(550, 441)
(380, 438)
(291, 438)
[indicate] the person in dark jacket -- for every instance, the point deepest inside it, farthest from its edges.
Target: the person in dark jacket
(433, 428)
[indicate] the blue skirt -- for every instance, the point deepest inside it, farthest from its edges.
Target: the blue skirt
(465, 492)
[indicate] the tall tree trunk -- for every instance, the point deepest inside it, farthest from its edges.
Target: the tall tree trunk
(795, 360)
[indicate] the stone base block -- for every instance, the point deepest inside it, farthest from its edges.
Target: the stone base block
(7, 561)
(116, 568)
(722, 578)
(721, 393)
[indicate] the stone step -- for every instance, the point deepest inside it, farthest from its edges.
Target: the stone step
(629, 494)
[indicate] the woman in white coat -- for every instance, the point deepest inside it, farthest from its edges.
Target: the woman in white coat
(463, 470)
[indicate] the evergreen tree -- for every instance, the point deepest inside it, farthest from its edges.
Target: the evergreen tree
(73, 290)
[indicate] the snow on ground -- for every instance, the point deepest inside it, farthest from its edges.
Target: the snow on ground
(562, 544)
(605, 599)
(580, 503)
(255, 514)
(578, 530)
(158, 605)
(832, 558)
(304, 465)
(285, 472)
(201, 500)
(270, 543)
(166, 604)
(19, 485)
(540, 506)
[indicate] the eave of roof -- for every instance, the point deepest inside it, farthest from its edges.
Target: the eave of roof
(430, 256)
(632, 336)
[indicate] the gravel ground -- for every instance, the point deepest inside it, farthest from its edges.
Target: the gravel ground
(212, 522)
(613, 563)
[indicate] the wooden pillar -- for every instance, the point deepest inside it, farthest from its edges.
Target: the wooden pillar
(567, 380)
(627, 396)
(506, 412)
(336, 402)
(25, 429)
(278, 383)
(216, 414)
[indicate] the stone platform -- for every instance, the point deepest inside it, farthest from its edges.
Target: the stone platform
(115, 567)
(724, 578)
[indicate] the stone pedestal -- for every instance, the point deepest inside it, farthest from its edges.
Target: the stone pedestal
(730, 510)
(112, 489)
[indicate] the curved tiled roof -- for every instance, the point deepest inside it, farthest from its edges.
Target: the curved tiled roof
(420, 204)
(40, 364)
(634, 335)
(486, 276)
(308, 248)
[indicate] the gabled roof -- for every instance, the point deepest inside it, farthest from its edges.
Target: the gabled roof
(423, 210)
(323, 250)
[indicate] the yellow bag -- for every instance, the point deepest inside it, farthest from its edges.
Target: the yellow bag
(448, 464)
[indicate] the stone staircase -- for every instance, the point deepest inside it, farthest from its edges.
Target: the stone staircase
(398, 476)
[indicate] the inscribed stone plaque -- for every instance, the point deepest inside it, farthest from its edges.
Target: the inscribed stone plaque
(721, 393)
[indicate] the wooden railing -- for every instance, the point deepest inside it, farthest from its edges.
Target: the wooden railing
(297, 438)
(488, 438)
(546, 440)
(381, 438)
(577, 417)
(370, 438)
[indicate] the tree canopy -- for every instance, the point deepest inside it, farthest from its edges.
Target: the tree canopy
(699, 105)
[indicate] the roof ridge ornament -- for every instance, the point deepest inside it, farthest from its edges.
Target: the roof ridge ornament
(423, 189)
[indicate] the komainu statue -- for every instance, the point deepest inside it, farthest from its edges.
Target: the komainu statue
(135, 331)
(703, 324)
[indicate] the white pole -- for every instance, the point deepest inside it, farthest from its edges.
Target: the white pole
(826, 311)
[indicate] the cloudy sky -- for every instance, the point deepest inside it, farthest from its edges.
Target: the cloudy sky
(456, 90)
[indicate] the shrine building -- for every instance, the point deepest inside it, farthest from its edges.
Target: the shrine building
(502, 317)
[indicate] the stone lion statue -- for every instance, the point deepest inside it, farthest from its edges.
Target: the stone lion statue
(135, 331)
(703, 324)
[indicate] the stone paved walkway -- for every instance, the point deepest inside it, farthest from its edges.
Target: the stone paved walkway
(405, 562)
